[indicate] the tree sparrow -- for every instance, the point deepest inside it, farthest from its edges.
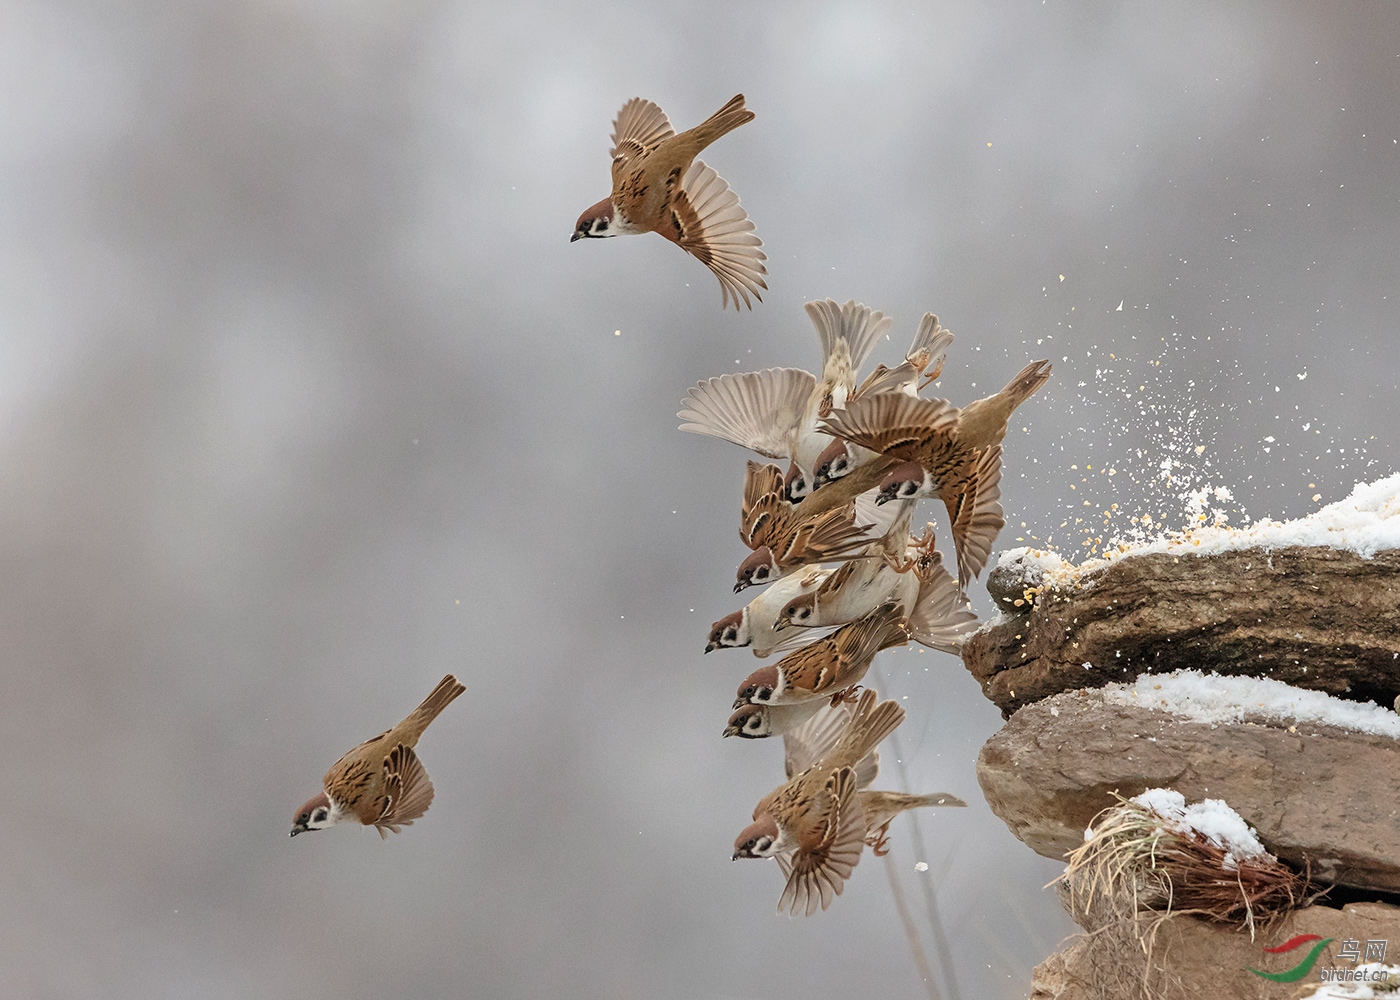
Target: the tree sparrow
(660, 187)
(756, 722)
(830, 666)
(811, 740)
(940, 616)
(381, 782)
(784, 536)
(774, 412)
(958, 453)
(814, 824)
(931, 343)
(752, 625)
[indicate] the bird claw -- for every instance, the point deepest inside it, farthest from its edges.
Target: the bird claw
(931, 377)
(849, 696)
(879, 841)
(925, 560)
(903, 565)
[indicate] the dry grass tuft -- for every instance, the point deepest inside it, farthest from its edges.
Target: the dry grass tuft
(1136, 860)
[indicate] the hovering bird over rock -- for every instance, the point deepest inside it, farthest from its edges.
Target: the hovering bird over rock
(785, 536)
(774, 412)
(829, 667)
(814, 824)
(381, 782)
(950, 453)
(815, 739)
(658, 186)
(915, 579)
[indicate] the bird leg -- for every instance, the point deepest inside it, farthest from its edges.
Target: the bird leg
(929, 557)
(925, 559)
(847, 697)
(932, 377)
(899, 564)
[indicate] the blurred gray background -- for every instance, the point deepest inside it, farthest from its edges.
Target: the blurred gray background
(306, 400)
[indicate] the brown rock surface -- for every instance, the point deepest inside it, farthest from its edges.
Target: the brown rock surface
(1202, 961)
(1316, 618)
(1320, 797)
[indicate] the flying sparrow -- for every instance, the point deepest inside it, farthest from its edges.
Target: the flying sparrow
(807, 742)
(814, 824)
(940, 616)
(660, 187)
(381, 782)
(859, 585)
(829, 667)
(774, 412)
(957, 454)
(756, 722)
(931, 343)
(752, 625)
(785, 536)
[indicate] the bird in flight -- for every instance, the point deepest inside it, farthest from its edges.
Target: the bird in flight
(381, 782)
(660, 187)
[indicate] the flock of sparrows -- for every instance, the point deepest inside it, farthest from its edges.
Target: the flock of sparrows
(830, 534)
(860, 454)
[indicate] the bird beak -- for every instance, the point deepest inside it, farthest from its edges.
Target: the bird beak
(731, 731)
(710, 647)
(576, 237)
(294, 832)
(739, 586)
(882, 499)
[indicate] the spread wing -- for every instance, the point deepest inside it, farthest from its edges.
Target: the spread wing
(976, 515)
(813, 740)
(858, 325)
(893, 423)
(709, 224)
(757, 410)
(831, 535)
(884, 379)
(407, 790)
(638, 129)
(826, 856)
(941, 617)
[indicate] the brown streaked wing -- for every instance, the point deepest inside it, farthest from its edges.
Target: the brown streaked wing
(807, 670)
(833, 534)
(407, 789)
(974, 510)
(708, 222)
(884, 379)
(838, 579)
(639, 128)
(760, 481)
(767, 522)
(757, 410)
(826, 856)
(893, 423)
(353, 781)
